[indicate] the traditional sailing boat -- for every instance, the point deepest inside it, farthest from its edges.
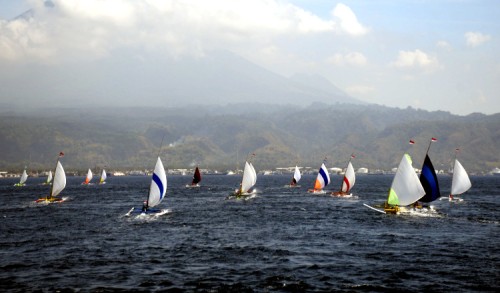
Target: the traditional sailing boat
(102, 180)
(295, 178)
(49, 178)
(88, 178)
(428, 178)
(460, 182)
(322, 180)
(347, 182)
(24, 177)
(405, 189)
(58, 184)
(157, 191)
(196, 179)
(247, 181)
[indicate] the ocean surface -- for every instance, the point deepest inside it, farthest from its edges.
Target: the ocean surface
(282, 240)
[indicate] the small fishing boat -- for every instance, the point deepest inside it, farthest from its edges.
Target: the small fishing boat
(247, 182)
(295, 178)
(49, 178)
(22, 181)
(157, 191)
(460, 182)
(196, 179)
(58, 184)
(102, 180)
(88, 178)
(322, 180)
(347, 182)
(405, 188)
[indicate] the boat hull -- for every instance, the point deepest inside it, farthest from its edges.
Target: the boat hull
(340, 194)
(49, 200)
(315, 191)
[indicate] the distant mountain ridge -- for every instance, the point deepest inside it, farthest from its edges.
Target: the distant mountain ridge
(221, 136)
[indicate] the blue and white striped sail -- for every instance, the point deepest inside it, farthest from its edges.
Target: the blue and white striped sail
(322, 179)
(158, 187)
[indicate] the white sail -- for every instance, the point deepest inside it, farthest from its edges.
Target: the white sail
(49, 177)
(460, 182)
(349, 178)
(249, 177)
(59, 180)
(158, 186)
(254, 174)
(24, 177)
(296, 174)
(406, 187)
(89, 177)
(103, 176)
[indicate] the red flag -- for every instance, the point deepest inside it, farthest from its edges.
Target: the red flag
(353, 156)
(61, 154)
(412, 141)
(434, 139)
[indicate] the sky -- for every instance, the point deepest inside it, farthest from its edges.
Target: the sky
(432, 55)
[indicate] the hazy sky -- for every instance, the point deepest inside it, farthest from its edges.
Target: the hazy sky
(434, 55)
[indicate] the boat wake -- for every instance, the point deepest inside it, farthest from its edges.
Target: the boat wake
(146, 217)
(422, 212)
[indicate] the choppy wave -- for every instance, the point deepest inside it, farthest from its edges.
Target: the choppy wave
(283, 240)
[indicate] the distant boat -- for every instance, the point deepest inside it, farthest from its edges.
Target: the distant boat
(460, 182)
(322, 180)
(347, 182)
(295, 178)
(196, 178)
(247, 182)
(49, 179)
(88, 178)
(102, 180)
(57, 185)
(22, 181)
(157, 191)
(429, 179)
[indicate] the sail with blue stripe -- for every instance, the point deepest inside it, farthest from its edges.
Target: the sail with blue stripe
(158, 187)
(323, 178)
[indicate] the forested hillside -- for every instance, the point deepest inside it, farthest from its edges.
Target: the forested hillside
(220, 137)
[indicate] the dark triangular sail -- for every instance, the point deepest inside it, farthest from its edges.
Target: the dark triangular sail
(196, 177)
(429, 181)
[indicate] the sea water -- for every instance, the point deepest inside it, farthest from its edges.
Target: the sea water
(282, 239)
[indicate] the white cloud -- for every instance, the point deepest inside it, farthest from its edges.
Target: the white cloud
(94, 28)
(352, 58)
(348, 20)
(444, 45)
(474, 39)
(415, 59)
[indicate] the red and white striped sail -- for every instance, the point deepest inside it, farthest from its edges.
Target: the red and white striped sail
(349, 178)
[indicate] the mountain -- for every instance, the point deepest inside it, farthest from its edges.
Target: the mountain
(131, 78)
(216, 137)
